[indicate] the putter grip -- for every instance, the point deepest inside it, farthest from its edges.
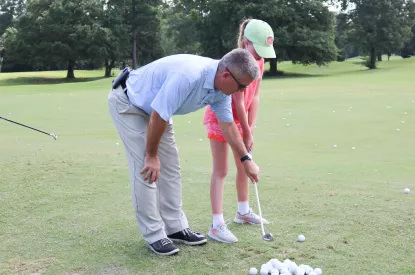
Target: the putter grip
(120, 78)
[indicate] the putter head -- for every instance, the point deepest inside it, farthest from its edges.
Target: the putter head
(54, 136)
(268, 237)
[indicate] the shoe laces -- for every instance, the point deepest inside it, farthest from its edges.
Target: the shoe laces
(165, 241)
(224, 226)
(188, 231)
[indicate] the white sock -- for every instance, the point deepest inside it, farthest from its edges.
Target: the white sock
(243, 207)
(217, 219)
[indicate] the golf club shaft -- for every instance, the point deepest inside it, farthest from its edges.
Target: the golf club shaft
(259, 209)
(257, 199)
(24, 126)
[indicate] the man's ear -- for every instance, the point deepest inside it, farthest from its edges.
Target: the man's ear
(225, 74)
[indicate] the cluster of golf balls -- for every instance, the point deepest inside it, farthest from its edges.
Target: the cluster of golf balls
(287, 267)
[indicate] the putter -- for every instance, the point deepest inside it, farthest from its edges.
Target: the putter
(267, 236)
(52, 135)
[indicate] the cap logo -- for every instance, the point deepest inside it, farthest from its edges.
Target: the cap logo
(270, 40)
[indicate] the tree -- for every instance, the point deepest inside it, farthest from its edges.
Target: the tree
(55, 31)
(304, 30)
(10, 9)
(118, 47)
(381, 25)
(179, 31)
(141, 20)
(408, 49)
(345, 41)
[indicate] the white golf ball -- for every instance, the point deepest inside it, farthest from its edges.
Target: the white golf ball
(300, 271)
(200, 139)
(406, 191)
(312, 273)
(318, 271)
(274, 271)
(274, 263)
(285, 271)
(353, 148)
(334, 146)
(253, 271)
(266, 268)
(308, 269)
(403, 121)
(406, 113)
(301, 238)
(278, 265)
(264, 271)
(398, 130)
(292, 267)
(283, 266)
(287, 261)
(288, 125)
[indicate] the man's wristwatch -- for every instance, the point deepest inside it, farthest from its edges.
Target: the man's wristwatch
(246, 157)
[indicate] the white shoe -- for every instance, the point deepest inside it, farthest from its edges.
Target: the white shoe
(221, 233)
(249, 217)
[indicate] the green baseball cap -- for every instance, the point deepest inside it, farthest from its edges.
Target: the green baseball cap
(262, 37)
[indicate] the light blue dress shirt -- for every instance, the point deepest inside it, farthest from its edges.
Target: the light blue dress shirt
(177, 85)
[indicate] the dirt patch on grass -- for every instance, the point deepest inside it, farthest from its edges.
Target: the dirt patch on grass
(29, 266)
(114, 271)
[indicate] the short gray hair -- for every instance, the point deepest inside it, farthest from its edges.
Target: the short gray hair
(241, 63)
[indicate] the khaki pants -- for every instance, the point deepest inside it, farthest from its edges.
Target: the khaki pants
(158, 206)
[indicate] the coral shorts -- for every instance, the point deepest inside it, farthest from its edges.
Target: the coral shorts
(215, 132)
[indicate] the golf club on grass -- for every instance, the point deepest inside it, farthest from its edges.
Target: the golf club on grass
(267, 236)
(52, 135)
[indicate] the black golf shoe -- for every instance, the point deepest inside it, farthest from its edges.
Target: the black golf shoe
(187, 236)
(164, 247)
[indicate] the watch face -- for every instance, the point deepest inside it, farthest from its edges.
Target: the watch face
(249, 155)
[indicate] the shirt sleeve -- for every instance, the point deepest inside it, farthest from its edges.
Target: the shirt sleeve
(175, 90)
(223, 109)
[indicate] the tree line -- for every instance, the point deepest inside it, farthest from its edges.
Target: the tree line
(89, 34)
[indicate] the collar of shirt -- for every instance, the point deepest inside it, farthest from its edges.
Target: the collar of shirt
(210, 78)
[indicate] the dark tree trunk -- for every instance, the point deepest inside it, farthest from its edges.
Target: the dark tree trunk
(71, 65)
(389, 55)
(273, 66)
(134, 38)
(379, 57)
(372, 64)
(108, 67)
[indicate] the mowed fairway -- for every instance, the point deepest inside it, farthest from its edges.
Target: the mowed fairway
(65, 205)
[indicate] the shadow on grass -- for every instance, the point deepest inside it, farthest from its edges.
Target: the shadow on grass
(287, 75)
(45, 80)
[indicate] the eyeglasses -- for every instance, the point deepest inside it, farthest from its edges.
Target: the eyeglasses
(240, 86)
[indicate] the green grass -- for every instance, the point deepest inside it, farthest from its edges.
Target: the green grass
(65, 205)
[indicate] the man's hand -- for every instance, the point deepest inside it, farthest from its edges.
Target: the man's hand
(151, 169)
(155, 130)
(251, 170)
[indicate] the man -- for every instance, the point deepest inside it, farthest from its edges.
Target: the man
(142, 110)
